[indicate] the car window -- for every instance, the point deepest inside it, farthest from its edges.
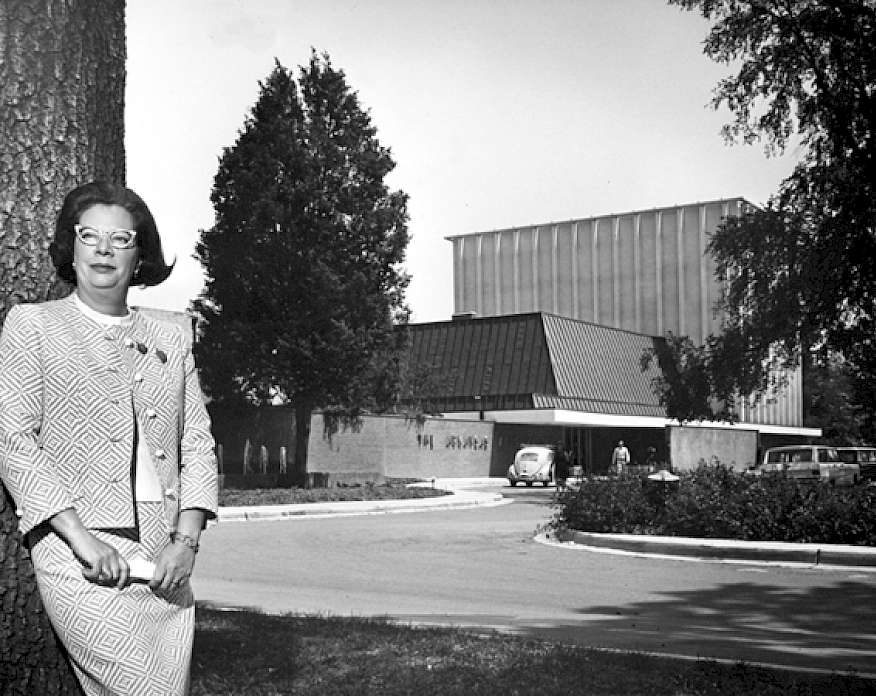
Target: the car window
(849, 455)
(827, 454)
(528, 457)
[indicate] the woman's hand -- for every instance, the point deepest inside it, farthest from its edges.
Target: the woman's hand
(103, 563)
(173, 567)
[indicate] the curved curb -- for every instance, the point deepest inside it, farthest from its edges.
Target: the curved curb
(456, 500)
(834, 555)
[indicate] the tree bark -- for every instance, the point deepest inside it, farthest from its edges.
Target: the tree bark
(62, 85)
(62, 90)
(303, 412)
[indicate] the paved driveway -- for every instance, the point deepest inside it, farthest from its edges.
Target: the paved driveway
(481, 568)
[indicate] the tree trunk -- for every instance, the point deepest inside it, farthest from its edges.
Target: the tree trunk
(298, 475)
(62, 86)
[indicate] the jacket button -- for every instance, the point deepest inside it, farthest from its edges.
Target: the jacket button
(170, 493)
(129, 342)
(19, 512)
(151, 413)
(138, 377)
(115, 438)
(159, 454)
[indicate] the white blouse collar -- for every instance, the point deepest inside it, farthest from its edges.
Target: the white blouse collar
(99, 317)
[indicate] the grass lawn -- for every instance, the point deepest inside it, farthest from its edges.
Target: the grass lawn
(286, 496)
(242, 652)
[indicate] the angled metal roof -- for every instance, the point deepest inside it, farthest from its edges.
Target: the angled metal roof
(536, 360)
(602, 365)
(495, 355)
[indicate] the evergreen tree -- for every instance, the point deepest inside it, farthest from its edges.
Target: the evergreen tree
(62, 87)
(303, 263)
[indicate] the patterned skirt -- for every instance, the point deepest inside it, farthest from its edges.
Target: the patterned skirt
(129, 642)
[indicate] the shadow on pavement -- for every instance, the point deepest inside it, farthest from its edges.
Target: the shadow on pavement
(824, 628)
(831, 628)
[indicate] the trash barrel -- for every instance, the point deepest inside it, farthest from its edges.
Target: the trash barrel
(660, 485)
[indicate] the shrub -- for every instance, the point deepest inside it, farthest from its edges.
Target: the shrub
(836, 516)
(709, 502)
(608, 505)
(714, 501)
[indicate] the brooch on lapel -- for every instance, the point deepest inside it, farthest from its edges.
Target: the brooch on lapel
(143, 349)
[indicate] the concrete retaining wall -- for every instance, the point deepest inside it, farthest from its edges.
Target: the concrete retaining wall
(691, 446)
(397, 447)
(382, 446)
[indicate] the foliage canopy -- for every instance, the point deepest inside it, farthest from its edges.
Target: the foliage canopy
(303, 265)
(797, 274)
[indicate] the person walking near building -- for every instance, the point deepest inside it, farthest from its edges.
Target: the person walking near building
(651, 460)
(561, 465)
(620, 458)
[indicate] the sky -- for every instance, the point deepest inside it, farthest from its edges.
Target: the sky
(498, 113)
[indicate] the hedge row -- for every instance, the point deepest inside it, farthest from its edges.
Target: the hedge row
(717, 502)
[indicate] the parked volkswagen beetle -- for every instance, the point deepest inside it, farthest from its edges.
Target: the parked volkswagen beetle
(532, 463)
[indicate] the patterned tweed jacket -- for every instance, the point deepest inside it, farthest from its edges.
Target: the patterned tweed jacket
(69, 391)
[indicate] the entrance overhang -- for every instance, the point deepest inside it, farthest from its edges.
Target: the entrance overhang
(556, 416)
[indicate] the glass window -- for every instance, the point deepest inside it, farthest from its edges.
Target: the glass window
(827, 454)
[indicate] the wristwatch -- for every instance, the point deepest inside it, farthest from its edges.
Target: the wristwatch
(185, 540)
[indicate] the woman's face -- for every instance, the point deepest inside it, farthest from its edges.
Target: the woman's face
(103, 269)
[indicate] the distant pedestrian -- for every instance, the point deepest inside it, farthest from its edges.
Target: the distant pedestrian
(620, 458)
(651, 460)
(561, 465)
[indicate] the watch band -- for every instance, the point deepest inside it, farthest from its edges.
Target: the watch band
(185, 540)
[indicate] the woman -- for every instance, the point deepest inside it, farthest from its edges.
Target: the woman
(105, 446)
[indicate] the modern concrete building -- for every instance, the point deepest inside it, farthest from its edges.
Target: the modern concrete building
(550, 325)
(590, 281)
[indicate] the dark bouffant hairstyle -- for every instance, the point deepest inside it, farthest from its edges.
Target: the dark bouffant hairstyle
(152, 268)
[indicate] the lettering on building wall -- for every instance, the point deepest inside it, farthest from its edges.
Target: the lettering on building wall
(425, 441)
(467, 442)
